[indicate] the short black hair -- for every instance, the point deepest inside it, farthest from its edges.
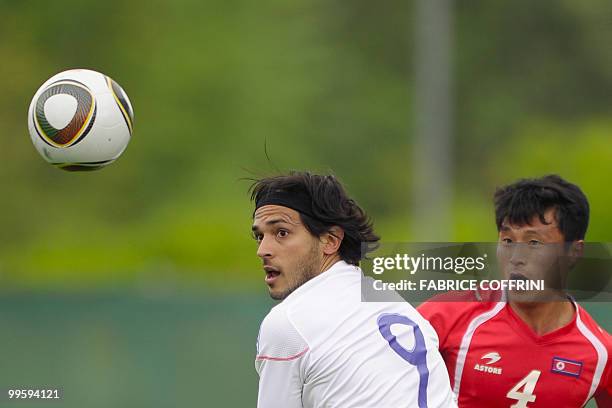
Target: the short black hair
(519, 202)
(329, 206)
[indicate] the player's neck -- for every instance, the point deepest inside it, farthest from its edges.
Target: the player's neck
(544, 317)
(329, 261)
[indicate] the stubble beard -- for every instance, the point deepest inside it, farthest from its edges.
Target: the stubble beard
(306, 268)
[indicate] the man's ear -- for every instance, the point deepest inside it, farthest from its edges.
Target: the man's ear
(576, 251)
(332, 240)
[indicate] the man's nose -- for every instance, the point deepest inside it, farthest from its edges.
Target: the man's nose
(518, 254)
(264, 250)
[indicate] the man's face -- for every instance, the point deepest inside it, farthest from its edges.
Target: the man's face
(291, 255)
(533, 251)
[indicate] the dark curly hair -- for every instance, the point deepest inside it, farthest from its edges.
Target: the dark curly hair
(521, 201)
(328, 206)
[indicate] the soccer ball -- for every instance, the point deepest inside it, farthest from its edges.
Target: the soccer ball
(80, 120)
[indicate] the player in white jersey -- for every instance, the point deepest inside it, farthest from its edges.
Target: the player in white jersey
(322, 346)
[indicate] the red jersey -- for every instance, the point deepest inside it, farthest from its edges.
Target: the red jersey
(494, 359)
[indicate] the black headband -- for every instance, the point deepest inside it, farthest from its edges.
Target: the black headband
(297, 200)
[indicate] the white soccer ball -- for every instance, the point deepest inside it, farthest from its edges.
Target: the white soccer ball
(80, 120)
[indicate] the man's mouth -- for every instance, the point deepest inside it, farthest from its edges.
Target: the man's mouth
(271, 274)
(518, 276)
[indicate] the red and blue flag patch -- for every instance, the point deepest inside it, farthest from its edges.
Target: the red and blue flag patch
(566, 367)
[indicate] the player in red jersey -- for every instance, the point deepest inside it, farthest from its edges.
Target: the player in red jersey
(516, 351)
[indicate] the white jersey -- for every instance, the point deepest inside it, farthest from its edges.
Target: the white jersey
(323, 347)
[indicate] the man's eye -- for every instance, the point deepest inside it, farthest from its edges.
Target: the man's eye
(506, 240)
(534, 242)
(257, 237)
(282, 233)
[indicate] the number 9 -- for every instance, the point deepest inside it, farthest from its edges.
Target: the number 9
(417, 356)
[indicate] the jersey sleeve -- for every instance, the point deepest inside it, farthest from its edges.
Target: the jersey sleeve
(433, 312)
(281, 362)
(603, 394)
(603, 397)
(445, 311)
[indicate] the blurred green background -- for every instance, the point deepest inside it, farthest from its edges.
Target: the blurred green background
(138, 285)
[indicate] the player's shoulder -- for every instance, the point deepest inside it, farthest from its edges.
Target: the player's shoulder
(278, 337)
(452, 305)
(593, 327)
(453, 312)
(277, 320)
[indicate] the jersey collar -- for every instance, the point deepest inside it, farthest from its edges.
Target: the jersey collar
(523, 328)
(338, 267)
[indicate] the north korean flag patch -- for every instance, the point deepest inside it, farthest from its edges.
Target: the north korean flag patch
(566, 367)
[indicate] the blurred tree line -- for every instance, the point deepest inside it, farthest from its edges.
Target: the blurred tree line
(325, 86)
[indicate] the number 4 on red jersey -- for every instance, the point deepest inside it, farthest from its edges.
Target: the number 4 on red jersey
(495, 360)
